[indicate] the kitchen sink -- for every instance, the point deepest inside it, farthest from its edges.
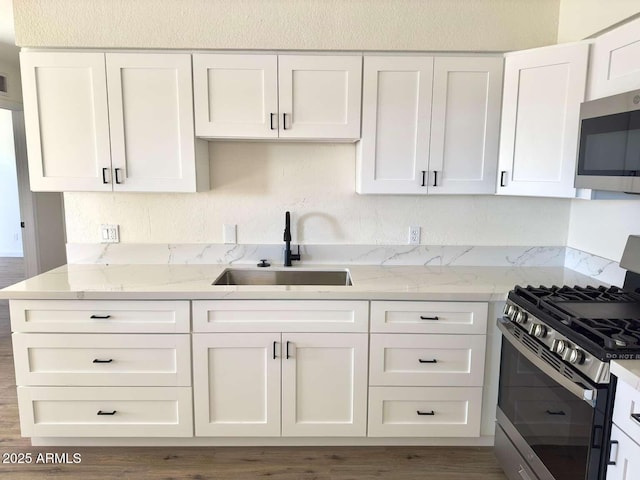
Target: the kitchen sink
(240, 276)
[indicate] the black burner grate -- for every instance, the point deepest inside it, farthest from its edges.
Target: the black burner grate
(603, 320)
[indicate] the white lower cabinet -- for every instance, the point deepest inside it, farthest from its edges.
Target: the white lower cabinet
(624, 455)
(426, 373)
(287, 383)
(85, 369)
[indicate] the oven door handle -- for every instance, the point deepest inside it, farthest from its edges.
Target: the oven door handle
(586, 394)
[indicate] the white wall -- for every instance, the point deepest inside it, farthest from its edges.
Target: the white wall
(10, 234)
(288, 24)
(253, 184)
(580, 19)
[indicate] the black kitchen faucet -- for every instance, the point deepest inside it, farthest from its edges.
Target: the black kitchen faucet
(288, 255)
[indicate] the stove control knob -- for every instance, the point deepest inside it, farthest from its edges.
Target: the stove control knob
(521, 317)
(574, 356)
(559, 346)
(538, 331)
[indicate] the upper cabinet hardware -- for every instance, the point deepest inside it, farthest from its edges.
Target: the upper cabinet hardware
(636, 417)
(118, 176)
(101, 317)
(100, 412)
(428, 318)
(104, 175)
(502, 182)
(435, 178)
(428, 361)
(425, 413)
(284, 121)
(271, 115)
(288, 342)
(612, 443)
(424, 173)
(274, 350)
(96, 360)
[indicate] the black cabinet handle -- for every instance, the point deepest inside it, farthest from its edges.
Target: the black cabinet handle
(424, 178)
(435, 178)
(118, 176)
(502, 182)
(611, 444)
(288, 342)
(271, 115)
(104, 175)
(559, 412)
(425, 413)
(284, 121)
(428, 361)
(100, 412)
(428, 318)
(101, 317)
(274, 350)
(96, 360)
(636, 417)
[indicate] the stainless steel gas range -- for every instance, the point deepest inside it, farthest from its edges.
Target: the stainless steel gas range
(556, 393)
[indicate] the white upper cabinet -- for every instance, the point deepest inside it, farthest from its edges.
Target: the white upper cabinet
(151, 122)
(66, 120)
(393, 155)
(429, 125)
(465, 125)
(615, 61)
(543, 89)
(102, 122)
(271, 96)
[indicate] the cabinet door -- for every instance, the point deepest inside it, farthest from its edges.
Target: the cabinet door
(324, 384)
(151, 122)
(624, 459)
(615, 61)
(236, 380)
(66, 121)
(319, 96)
(393, 155)
(465, 125)
(236, 96)
(543, 89)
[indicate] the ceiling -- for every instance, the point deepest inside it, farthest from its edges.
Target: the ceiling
(8, 49)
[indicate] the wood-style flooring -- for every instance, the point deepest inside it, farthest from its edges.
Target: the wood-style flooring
(221, 463)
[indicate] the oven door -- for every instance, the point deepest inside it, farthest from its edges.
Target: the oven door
(551, 421)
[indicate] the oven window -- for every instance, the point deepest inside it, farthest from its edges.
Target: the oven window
(610, 145)
(555, 424)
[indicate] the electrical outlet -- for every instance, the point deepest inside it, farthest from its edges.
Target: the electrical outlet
(109, 233)
(229, 233)
(414, 235)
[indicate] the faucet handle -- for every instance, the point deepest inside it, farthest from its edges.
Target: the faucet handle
(296, 256)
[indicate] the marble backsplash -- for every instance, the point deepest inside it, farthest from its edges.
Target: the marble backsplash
(600, 268)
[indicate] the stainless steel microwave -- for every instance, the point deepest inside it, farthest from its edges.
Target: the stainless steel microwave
(609, 145)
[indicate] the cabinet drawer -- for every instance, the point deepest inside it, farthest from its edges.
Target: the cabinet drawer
(89, 412)
(89, 359)
(427, 360)
(624, 458)
(280, 316)
(429, 317)
(627, 403)
(97, 316)
(424, 411)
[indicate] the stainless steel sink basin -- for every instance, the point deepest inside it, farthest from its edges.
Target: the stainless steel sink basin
(239, 276)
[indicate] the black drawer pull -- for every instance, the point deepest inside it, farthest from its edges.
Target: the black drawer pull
(428, 318)
(636, 417)
(425, 413)
(428, 361)
(502, 182)
(274, 349)
(288, 342)
(104, 175)
(117, 171)
(424, 173)
(559, 412)
(611, 444)
(100, 317)
(100, 412)
(96, 360)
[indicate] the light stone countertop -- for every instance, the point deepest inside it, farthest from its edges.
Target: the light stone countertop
(628, 371)
(179, 281)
